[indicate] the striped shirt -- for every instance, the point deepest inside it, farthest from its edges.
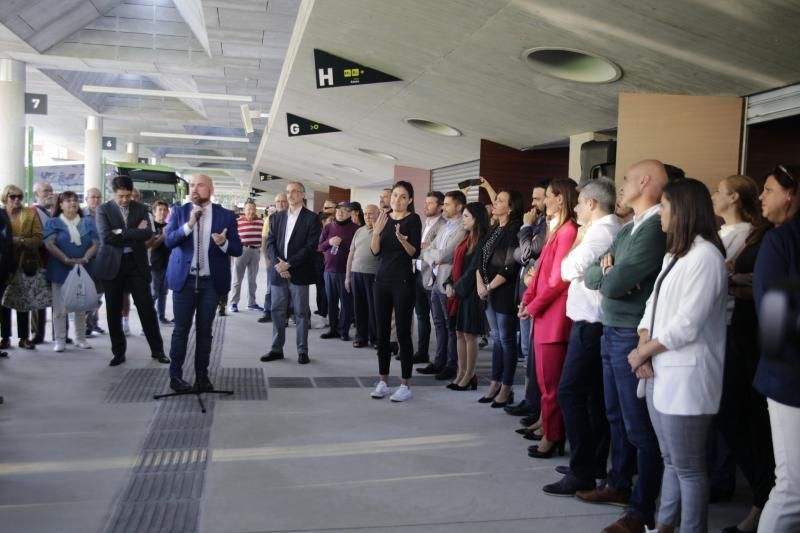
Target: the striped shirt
(250, 231)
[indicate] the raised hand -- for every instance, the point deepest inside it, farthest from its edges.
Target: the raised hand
(221, 237)
(379, 224)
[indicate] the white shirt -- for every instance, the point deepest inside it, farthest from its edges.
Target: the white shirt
(429, 223)
(583, 303)
(203, 227)
(291, 220)
(638, 219)
(690, 323)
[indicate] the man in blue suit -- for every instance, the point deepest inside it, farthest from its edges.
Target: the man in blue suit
(202, 236)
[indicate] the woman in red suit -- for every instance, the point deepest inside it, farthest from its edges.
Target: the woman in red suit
(545, 301)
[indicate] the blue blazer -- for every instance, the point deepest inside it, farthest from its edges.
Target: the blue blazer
(180, 260)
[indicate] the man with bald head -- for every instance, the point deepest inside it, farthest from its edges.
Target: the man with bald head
(203, 237)
(625, 276)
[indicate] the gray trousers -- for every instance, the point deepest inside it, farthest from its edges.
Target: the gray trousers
(249, 260)
(684, 488)
(302, 315)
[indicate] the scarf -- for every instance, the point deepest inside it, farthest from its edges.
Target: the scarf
(72, 228)
(456, 273)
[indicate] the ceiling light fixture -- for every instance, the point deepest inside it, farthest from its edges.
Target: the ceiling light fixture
(377, 153)
(205, 157)
(572, 65)
(215, 169)
(439, 128)
(247, 119)
(346, 167)
(166, 94)
(193, 137)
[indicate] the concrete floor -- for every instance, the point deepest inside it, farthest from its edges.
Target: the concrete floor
(313, 459)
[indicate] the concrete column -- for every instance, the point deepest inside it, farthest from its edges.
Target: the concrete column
(132, 153)
(575, 143)
(93, 154)
(12, 132)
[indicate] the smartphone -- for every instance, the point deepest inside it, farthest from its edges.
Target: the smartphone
(469, 183)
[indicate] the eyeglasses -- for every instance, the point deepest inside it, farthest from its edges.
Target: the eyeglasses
(15, 197)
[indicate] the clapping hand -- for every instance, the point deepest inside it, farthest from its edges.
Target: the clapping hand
(400, 237)
(221, 237)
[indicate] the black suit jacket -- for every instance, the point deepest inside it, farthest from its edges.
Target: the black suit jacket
(108, 219)
(302, 244)
(7, 265)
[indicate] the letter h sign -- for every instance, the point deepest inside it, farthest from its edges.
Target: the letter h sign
(325, 76)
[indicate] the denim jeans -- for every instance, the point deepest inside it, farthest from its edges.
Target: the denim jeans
(422, 309)
(188, 306)
(334, 288)
(580, 396)
(158, 288)
(446, 354)
(633, 441)
(504, 345)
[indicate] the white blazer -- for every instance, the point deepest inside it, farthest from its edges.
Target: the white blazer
(690, 323)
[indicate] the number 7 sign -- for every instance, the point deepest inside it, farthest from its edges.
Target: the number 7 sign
(35, 104)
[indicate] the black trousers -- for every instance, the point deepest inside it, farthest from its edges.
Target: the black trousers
(131, 279)
(580, 396)
(23, 325)
(397, 295)
(361, 287)
(422, 308)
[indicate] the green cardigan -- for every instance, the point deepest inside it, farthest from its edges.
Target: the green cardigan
(637, 262)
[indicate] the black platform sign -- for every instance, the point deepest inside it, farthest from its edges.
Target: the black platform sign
(335, 71)
(302, 126)
(35, 104)
(109, 143)
(263, 176)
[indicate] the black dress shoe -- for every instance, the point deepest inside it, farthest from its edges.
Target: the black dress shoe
(735, 529)
(420, 359)
(557, 447)
(359, 344)
(3, 354)
(271, 356)
(117, 360)
(430, 369)
(568, 486)
(344, 337)
(520, 409)
(329, 335)
(179, 385)
(563, 470)
(509, 400)
(446, 373)
(265, 319)
(203, 385)
(302, 359)
(532, 435)
(161, 358)
(5, 344)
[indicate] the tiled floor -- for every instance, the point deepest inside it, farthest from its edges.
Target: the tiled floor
(81, 453)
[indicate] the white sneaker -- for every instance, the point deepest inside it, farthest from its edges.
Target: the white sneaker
(59, 346)
(402, 394)
(83, 345)
(381, 390)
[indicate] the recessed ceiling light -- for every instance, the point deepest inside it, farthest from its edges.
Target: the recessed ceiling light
(439, 128)
(193, 137)
(346, 167)
(376, 153)
(572, 65)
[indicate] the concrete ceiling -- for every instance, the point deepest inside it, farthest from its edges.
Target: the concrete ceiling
(460, 61)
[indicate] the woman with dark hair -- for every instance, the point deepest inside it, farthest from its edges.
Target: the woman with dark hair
(545, 301)
(778, 373)
(680, 355)
(743, 420)
(71, 240)
(357, 214)
(396, 238)
(496, 276)
(464, 306)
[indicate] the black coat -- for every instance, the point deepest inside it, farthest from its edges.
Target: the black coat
(109, 256)
(7, 264)
(302, 249)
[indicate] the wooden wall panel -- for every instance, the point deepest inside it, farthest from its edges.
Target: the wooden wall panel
(506, 167)
(700, 134)
(338, 194)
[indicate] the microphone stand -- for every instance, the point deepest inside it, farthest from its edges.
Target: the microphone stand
(198, 393)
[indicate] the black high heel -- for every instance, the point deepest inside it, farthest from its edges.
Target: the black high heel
(533, 451)
(488, 399)
(471, 385)
(509, 401)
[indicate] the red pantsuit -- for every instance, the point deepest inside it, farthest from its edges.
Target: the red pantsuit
(546, 301)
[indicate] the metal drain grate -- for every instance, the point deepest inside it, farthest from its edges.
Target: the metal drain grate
(163, 487)
(336, 382)
(371, 381)
(290, 383)
(140, 384)
(158, 517)
(246, 383)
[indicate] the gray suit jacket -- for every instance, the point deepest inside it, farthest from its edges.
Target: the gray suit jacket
(427, 274)
(442, 256)
(109, 256)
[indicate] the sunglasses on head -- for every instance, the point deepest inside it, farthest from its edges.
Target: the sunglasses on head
(782, 169)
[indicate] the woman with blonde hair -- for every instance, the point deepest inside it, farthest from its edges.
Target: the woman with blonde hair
(27, 231)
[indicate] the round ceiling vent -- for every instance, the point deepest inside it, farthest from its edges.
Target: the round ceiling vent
(430, 126)
(377, 153)
(572, 65)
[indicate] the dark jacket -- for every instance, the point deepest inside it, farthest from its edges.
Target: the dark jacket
(7, 264)
(109, 256)
(503, 299)
(778, 263)
(302, 245)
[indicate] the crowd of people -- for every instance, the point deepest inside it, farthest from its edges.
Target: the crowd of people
(636, 311)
